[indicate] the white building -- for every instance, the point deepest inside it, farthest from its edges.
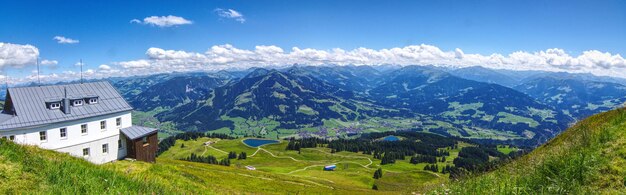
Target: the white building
(89, 120)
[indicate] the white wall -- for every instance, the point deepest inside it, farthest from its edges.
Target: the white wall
(76, 141)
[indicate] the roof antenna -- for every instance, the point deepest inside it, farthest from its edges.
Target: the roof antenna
(81, 71)
(38, 77)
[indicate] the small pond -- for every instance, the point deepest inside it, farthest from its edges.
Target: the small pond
(391, 138)
(252, 142)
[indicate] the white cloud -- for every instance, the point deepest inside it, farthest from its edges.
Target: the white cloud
(163, 21)
(49, 62)
(230, 14)
(65, 40)
(135, 64)
(222, 57)
(104, 67)
(15, 55)
(226, 56)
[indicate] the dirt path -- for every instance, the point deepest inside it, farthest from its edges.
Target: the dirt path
(209, 146)
(265, 178)
(222, 151)
(273, 155)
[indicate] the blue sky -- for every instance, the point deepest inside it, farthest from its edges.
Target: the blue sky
(106, 36)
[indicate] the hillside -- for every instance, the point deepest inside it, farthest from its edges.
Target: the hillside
(30, 170)
(577, 98)
(269, 95)
(479, 73)
(335, 101)
(353, 78)
(468, 104)
(175, 91)
(588, 158)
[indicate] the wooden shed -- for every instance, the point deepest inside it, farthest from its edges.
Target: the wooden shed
(142, 143)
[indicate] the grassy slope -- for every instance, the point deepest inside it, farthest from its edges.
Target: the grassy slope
(354, 170)
(30, 170)
(588, 158)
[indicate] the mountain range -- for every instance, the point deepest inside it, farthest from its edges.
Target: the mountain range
(340, 101)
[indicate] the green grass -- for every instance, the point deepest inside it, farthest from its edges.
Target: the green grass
(588, 158)
(353, 174)
(30, 170)
(514, 119)
(507, 149)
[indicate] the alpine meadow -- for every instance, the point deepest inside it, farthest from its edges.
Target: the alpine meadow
(313, 97)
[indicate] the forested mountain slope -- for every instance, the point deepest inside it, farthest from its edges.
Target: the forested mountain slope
(588, 158)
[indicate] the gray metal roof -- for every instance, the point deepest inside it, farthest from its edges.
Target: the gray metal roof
(134, 132)
(30, 107)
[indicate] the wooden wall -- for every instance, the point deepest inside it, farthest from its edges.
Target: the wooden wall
(143, 152)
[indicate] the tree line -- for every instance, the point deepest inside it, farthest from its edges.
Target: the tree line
(168, 142)
(209, 159)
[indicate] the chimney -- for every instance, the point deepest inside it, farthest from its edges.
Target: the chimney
(66, 103)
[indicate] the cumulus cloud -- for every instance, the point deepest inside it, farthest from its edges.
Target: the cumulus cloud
(65, 40)
(104, 67)
(49, 62)
(230, 14)
(226, 56)
(163, 21)
(16, 55)
(136, 64)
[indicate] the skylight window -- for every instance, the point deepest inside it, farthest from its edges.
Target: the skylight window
(55, 105)
(93, 100)
(77, 102)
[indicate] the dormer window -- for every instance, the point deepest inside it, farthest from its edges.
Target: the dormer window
(77, 102)
(93, 100)
(55, 105)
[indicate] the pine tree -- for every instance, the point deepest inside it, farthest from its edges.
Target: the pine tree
(242, 156)
(182, 146)
(378, 173)
(374, 187)
(232, 155)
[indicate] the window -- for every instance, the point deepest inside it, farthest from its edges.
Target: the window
(63, 132)
(83, 128)
(118, 122)
(103, 125)
(42, 136)
(119, 143)
(93, 100)
(105, 148)
(77, 102)
(12, 137)
(55, 105)
(85, 151)
(145, 140)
